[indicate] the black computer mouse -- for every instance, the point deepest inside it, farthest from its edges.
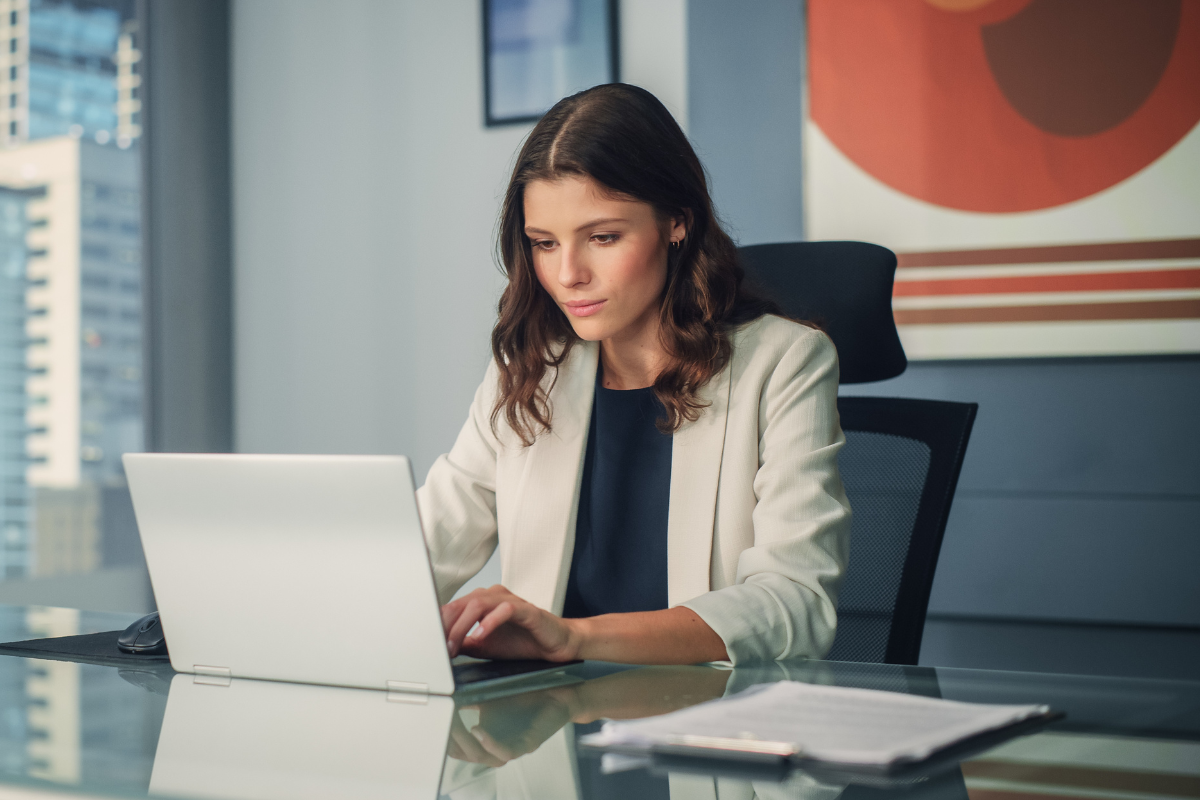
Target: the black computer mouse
(144, 637)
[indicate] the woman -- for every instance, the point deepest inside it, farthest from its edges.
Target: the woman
(653, 451)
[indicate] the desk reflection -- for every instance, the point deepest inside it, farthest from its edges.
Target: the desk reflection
(498, 731)
(262, 739)
(524, 746)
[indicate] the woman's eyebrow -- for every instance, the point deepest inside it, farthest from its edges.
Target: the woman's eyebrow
(591, 224)
(603, 221)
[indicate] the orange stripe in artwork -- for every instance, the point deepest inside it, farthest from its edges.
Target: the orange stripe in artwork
(1066, 312)
(1063, 253)
(1080, 282)
(1121, 251)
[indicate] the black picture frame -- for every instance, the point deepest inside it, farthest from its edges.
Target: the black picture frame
(494, 117)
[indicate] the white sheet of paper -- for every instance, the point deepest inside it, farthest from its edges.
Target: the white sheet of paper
(827, 723)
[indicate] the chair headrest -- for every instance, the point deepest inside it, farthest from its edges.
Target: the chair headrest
(846, 289)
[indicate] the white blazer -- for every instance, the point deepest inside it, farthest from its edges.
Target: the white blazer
(758, 528)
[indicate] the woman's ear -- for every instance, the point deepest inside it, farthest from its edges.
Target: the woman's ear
(679, 227)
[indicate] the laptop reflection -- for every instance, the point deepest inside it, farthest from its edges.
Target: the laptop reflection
(263, 739)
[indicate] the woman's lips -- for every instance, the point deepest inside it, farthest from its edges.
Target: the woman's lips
(584, 308)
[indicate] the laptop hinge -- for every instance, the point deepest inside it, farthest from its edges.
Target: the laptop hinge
(212, 676)
(407, 692)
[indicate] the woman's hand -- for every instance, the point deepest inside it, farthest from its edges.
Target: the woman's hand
(509, 627)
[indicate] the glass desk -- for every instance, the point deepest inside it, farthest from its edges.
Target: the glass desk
(73, 729)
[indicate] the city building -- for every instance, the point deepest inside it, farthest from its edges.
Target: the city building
(84, 345)
(15, 519)
(69, 112)
(69, 68)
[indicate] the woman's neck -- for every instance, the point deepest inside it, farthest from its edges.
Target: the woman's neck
(632, 360)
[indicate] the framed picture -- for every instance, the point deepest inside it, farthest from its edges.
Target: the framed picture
(1038, 177)
(536, 52)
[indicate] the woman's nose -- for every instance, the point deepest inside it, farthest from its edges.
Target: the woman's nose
(572, 269)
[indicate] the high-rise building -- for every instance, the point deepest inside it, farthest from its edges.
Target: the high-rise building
(15, 520)
(69, 113)
(84, 306)
(69, 68)
(84, 345)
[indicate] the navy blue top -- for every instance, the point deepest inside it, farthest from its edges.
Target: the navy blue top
(620, 558)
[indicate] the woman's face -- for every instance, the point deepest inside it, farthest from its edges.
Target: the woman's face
(602, 260)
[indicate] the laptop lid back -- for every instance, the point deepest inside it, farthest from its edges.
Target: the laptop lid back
(310, 569)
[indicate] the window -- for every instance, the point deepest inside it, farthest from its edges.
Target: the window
(96, 251)
(65, 122)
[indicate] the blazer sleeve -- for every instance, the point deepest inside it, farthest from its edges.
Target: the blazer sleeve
(458, 501)
(783, 603)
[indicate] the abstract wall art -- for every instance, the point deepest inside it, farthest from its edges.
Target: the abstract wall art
(1034, 163)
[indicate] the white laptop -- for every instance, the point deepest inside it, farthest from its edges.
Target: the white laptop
(309, 569)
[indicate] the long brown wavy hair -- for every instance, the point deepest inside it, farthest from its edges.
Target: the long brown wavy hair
(623, 138)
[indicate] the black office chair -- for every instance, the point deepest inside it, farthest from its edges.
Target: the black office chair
(902, 457)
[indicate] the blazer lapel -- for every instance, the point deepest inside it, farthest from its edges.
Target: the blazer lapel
(695, 472)
(541, 536)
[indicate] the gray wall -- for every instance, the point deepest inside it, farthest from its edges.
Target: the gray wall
(1080, 494)
(365, 196)
(744, 112)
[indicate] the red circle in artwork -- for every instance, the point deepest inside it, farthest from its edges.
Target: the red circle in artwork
(905, 90)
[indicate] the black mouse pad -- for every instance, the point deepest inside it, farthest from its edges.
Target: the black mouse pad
(88, 648)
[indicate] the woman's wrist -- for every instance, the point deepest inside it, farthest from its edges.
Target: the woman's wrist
(578, 636)
(673, 636)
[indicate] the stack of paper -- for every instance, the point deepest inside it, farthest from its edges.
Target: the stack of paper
(825, 723)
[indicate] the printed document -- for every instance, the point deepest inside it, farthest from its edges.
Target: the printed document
(826, 723)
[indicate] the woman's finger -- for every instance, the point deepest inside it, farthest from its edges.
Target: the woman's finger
(494, 619)
(450, 613)
(454, 608)
(475, 610)
(451, 610)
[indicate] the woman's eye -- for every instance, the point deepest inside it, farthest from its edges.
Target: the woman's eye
(544, 244)
(605, 238)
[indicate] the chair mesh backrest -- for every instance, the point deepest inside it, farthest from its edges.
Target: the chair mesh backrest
(884, 476)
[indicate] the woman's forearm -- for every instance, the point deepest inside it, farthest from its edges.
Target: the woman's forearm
(672, 636)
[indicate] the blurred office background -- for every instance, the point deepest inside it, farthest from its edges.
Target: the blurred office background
(307, 266)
